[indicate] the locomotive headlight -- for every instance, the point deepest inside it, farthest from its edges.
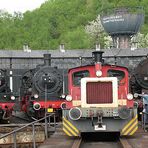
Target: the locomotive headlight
(36, 106)
(63, 96)
(75, 113)
(36, 96)
(129, 96)
(12, 97)
(69, 98)
(99, 73)
(124, 112)
(63, 105)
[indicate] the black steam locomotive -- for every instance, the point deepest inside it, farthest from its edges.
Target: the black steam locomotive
(6, 96)
(139, 84)
(42, 89)
(139, 79)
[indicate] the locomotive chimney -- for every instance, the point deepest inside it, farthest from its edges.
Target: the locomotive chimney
(97, 56)
(47, 59)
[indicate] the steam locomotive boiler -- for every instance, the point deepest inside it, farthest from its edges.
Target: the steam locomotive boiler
(42, 89)
(139, 85)
(6, 96)
(139, 79)
(99, 100)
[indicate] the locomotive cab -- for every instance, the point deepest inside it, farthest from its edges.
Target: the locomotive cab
(100, 100)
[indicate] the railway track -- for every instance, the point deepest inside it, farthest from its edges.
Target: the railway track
(61, 140)
(77, 143)
(122, 143)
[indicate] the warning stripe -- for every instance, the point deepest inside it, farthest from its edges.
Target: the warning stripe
(134, 130)
(69, 128)
(129, 123)
(66, 132)
(71, 125)
(131, 127)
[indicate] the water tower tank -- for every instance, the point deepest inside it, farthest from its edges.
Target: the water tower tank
(122, 23)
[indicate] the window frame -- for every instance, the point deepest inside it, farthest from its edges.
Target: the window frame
(73, 81)
(122, 75)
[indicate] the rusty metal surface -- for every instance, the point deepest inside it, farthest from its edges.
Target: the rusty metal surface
(28, 134)
(24, 137)
(10, 127)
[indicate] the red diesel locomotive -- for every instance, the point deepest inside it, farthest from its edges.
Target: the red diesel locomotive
(99, 100)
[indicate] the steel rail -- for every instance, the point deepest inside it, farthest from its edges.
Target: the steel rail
(77, 143)
(124, 143)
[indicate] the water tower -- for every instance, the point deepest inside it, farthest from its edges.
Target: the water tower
(122, 24)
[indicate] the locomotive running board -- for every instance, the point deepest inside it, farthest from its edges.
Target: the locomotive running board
(131, 127)
(70, 129)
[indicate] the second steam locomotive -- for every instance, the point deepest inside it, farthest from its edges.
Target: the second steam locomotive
(7, 99)
(41, 89)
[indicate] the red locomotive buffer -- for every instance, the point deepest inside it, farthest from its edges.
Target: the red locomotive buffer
(99, 100)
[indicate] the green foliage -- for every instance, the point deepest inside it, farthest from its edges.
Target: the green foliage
(56, 22)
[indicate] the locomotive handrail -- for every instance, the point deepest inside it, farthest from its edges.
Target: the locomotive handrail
(47, 123)
(140, 95)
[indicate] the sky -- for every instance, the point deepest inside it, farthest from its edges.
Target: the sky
(20, 5)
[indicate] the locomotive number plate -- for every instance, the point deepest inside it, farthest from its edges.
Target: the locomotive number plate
(97, 128)
(50, 110)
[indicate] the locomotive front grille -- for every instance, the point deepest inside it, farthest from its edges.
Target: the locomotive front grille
(99, 92)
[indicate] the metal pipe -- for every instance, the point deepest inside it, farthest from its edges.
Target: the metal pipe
(14, 139)
(45, 99)
(97, 56)
(46, 133)
(47, 59)
(11, 81)
(33, 136)
(63, 82)
(54, 123)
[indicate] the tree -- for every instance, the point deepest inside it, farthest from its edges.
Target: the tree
(67, 21)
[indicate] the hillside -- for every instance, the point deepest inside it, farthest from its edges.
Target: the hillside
(56, 22)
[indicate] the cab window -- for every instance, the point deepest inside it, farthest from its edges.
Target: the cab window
(77, 76)
(116, 73)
